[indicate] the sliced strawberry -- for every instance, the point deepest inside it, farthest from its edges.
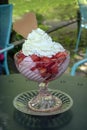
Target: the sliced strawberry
(47, 76)
(20, 57)
(44, 75)
(39, 65)
(60, 54)
(61, 60)
(20, 60)
(42, 70)
(54, 69)
(35, 57)
(33, 68)
(49, 64)
(46, 62)
(45, 59)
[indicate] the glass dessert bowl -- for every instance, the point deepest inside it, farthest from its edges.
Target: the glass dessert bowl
(43, 70)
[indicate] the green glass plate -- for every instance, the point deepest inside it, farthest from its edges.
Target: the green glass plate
(20, 102)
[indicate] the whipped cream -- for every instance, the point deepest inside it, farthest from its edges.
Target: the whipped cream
(40, 43)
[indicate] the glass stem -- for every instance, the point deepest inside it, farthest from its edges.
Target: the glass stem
(43, 88)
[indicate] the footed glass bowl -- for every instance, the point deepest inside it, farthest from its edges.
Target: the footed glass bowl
(43, 70)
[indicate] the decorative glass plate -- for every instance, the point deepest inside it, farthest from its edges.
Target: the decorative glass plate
(20, 102)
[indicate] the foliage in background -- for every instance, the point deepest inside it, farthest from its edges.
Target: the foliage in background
(46, 9)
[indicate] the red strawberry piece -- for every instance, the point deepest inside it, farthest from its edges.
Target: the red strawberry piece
(20, 57)
(35, 57)
(33, 68)
(49, 78)
(20, 54)
(58, 54)
(45, 59)
(42, 70)
(48, 64)
(54, 69)
(39, 65)
(61, 54)
(53, 58)
(61, 59)
(46, 75)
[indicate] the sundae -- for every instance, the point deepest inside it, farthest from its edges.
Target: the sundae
(42, 60)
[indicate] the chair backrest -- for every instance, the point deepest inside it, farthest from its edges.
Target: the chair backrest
(83, 9)
(5, 24)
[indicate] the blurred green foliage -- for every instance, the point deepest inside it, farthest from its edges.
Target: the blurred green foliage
(45, 9)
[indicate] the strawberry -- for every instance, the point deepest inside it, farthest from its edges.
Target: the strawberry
(45, 59)
(58, 54)
(46, 75)
(20, 57)
(35, 57)
(42, 70)
(53, 58)
(61, 60)
(54, 70)
(46, 62)
(39, 65)
(49, 64)
(33, 68)
(61, 54)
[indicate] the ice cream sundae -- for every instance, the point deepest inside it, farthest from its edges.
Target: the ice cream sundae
(42, 60)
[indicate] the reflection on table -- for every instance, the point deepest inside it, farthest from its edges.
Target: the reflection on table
(38, 122)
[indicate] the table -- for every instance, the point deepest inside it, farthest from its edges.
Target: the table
(73, 119)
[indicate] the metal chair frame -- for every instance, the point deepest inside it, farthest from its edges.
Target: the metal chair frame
(5, 30)
(83, 23)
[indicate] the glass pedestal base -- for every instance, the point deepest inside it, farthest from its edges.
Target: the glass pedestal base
(45, 103)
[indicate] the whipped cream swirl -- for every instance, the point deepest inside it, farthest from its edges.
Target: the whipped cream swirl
(40, 43)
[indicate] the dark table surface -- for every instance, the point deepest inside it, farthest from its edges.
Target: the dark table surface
(73, 119)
